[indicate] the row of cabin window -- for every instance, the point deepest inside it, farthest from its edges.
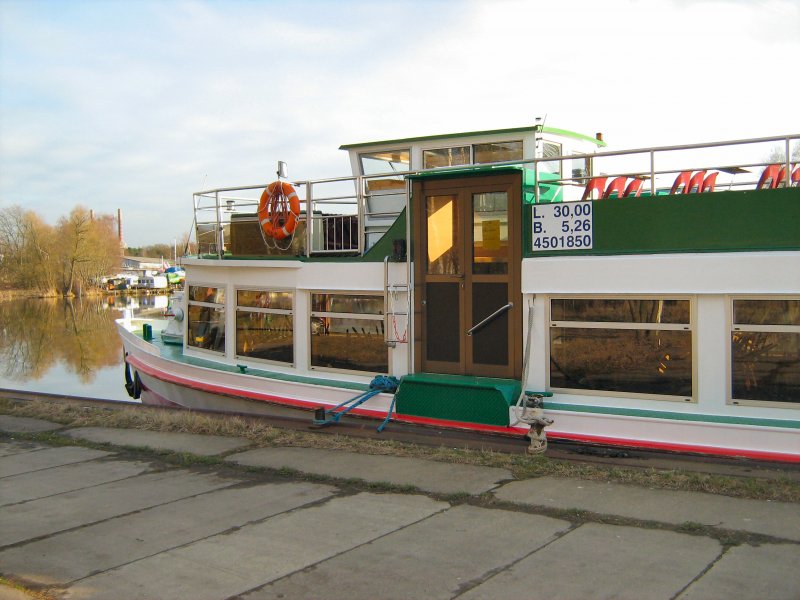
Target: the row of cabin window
(346, 330)
(645, 347)
(634, 345)
(373, 163)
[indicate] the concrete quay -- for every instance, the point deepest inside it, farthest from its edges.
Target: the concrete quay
(115, 522)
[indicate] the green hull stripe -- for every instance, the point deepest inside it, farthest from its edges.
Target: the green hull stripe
(673, 416)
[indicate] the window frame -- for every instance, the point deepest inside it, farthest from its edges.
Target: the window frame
(691, 328)
(330, 314)
(732, 327)
(560, 146)
(361, 156)
(224, 305)
(469, 148)
(264, 310)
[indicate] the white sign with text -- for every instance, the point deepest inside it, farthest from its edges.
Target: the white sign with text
(562, 226)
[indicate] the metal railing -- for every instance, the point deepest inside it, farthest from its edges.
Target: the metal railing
(346, 215)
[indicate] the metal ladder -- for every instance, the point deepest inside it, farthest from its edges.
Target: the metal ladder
(389, 313)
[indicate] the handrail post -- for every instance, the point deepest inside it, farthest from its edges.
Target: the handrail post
(653, 173)
(219, 236)
(787, 181)
(309, 217)
(360, 201)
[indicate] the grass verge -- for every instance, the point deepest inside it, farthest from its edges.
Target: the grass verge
(521, 466)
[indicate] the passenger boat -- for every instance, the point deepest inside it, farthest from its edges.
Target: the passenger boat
(508, 280)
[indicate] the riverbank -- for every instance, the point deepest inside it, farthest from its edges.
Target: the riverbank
(118, 512)
(777, 487)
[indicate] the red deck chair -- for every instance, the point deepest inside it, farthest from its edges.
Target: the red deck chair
(709, 182)
(769, 178)
(681, 181)
(634, 188)
(696, 182)
(617, 185)
(796, 176)
(596, 184)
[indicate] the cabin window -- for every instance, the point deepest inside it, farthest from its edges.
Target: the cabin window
(347, 332)
(385, 161)
(206, 318)
(550, 150)
(497, 152)
(581, 168)
(624, 345)
(765, 350)
(264, 325)
(446, 157)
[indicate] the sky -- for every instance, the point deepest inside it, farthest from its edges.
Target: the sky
(135, 105)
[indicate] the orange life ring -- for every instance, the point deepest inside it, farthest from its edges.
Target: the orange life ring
(279, 210)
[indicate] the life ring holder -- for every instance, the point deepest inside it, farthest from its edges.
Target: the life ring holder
(278, 211)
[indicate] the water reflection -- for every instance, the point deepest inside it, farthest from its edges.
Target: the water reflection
(67, 346)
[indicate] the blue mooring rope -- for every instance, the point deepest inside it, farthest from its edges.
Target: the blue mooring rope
(381, 383)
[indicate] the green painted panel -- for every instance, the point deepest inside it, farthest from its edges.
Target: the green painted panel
(467, 399)
(716, 222)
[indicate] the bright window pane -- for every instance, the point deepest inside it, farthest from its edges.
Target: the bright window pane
(344, 303)
(550, 150)
(497, 152)
(214, 295)
(444, 257)
(385, 161)
(490, 233)
(264, 299)
(445, 157)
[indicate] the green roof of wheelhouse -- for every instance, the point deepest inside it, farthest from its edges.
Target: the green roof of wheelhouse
(551, 130)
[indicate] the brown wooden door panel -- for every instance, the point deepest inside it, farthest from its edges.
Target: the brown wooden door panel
(467, 254)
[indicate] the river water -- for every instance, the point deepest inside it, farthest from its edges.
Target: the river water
(67, 346)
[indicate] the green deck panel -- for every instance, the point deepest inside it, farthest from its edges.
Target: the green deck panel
(484, 400)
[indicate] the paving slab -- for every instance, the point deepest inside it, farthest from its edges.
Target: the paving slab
(66, 557)
(778, 519)
(427, 475)
(66, 478)
(233, 563)
(767, 572)
(27, 462)
(604, 561)
(432, 559)
(19, 446)
(12, 424)
(46, 516)
(192, 443)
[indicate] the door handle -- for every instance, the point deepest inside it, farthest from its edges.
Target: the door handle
(491, 317)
